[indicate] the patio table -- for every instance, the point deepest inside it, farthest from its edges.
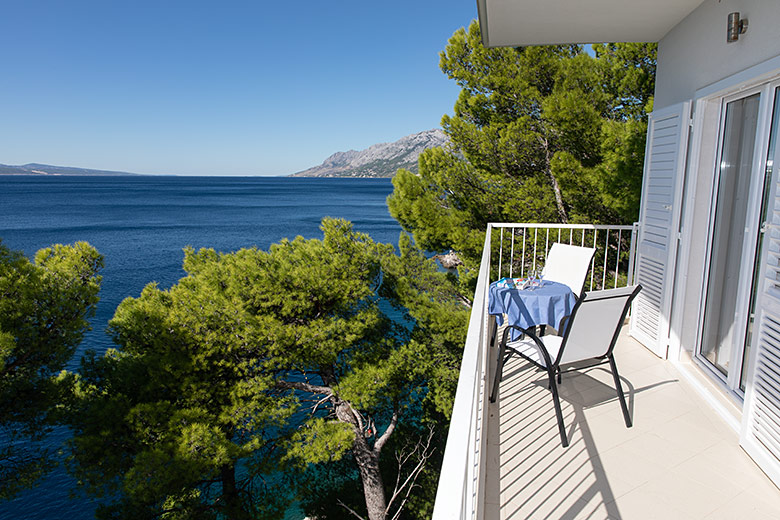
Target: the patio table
(526, 308)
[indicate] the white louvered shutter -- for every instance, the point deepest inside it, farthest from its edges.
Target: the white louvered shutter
(760, 435)
(659, 218)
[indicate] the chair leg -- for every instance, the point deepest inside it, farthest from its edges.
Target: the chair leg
(493, 330)
(506, 358)
(619, 388)
(499, 371)
(557, 404)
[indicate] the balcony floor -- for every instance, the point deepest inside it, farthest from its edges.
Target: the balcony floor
(679, 460)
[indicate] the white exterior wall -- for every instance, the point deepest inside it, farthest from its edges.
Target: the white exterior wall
(694, 54)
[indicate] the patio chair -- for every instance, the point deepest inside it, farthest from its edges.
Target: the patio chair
(590, 337)
(568, 265)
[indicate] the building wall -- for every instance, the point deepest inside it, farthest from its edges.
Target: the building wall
(694, 54)
(692, 57)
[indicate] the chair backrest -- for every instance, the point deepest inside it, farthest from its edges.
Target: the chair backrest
(595, 324)
(568, 265)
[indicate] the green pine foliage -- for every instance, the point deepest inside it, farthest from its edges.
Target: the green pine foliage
(538, 134)
(44, 307)
(260, 371)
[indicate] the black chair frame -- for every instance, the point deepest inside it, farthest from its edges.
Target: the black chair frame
(553, 367)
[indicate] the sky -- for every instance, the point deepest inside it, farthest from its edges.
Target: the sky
(218, 87)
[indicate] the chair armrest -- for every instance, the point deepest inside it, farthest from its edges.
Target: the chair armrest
(515, 327)
(527, 332)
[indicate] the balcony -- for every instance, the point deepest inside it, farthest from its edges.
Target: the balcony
(504, 460)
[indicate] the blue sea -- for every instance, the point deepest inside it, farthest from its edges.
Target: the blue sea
(141, 223)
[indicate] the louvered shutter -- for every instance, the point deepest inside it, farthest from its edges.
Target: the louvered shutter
(760, 435)
(659, 218)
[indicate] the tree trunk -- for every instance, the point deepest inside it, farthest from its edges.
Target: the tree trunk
(558, 198)
(233, 506)
(373, 487)
(554, 182)
(367, 459)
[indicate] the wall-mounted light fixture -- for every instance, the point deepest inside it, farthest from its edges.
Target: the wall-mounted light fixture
(735, 27)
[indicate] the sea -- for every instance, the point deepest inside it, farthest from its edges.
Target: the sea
(140, 224)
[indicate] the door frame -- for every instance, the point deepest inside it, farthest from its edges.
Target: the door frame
(765, 87)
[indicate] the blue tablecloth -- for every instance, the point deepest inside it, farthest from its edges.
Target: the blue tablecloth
(545, 305)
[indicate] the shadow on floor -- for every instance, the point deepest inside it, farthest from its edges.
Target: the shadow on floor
(538, 477)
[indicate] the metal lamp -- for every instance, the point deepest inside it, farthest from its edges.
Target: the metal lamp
(735, 27)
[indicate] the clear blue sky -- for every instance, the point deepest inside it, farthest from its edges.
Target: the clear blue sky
(220, 87)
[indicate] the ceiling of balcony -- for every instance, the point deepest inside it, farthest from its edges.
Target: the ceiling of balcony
(539, 22)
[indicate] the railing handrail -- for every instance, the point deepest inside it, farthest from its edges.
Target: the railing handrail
(624, 227)
(457, 478)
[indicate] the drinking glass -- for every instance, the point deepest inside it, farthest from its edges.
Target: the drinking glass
(532, 279)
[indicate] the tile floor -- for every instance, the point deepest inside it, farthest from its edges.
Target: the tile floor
(679, 461)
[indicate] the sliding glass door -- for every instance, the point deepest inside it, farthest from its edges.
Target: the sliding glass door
(728, 231)
(747, 141)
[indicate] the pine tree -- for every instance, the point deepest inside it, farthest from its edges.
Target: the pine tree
(44, 307)
(259, 367)
(539, 134)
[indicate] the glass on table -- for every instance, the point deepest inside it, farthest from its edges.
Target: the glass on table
(533, 279)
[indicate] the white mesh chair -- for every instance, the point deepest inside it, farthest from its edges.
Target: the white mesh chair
(568, 265)
(590, 335)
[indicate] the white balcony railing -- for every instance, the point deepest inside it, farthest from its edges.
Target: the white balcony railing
(523, 247)
(510, 250)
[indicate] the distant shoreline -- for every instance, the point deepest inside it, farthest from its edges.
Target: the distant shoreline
(101, 175)
(50, 170)
(156, 176)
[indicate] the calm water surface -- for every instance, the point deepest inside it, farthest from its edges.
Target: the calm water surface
(141, 224)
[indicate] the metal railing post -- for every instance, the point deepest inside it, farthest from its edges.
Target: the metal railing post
(632, 253)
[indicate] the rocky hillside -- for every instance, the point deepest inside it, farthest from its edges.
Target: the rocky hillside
(380, 160)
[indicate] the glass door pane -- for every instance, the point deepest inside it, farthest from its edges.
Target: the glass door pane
(756, 267)
(731, 203)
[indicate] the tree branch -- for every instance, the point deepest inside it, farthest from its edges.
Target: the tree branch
(345, 506)
(381, 441)
(317, 405)
(305, 387)
(409, 483)
(357, 416)
(465, 301)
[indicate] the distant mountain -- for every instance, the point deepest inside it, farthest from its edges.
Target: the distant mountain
(47, 169)
(379, 160)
